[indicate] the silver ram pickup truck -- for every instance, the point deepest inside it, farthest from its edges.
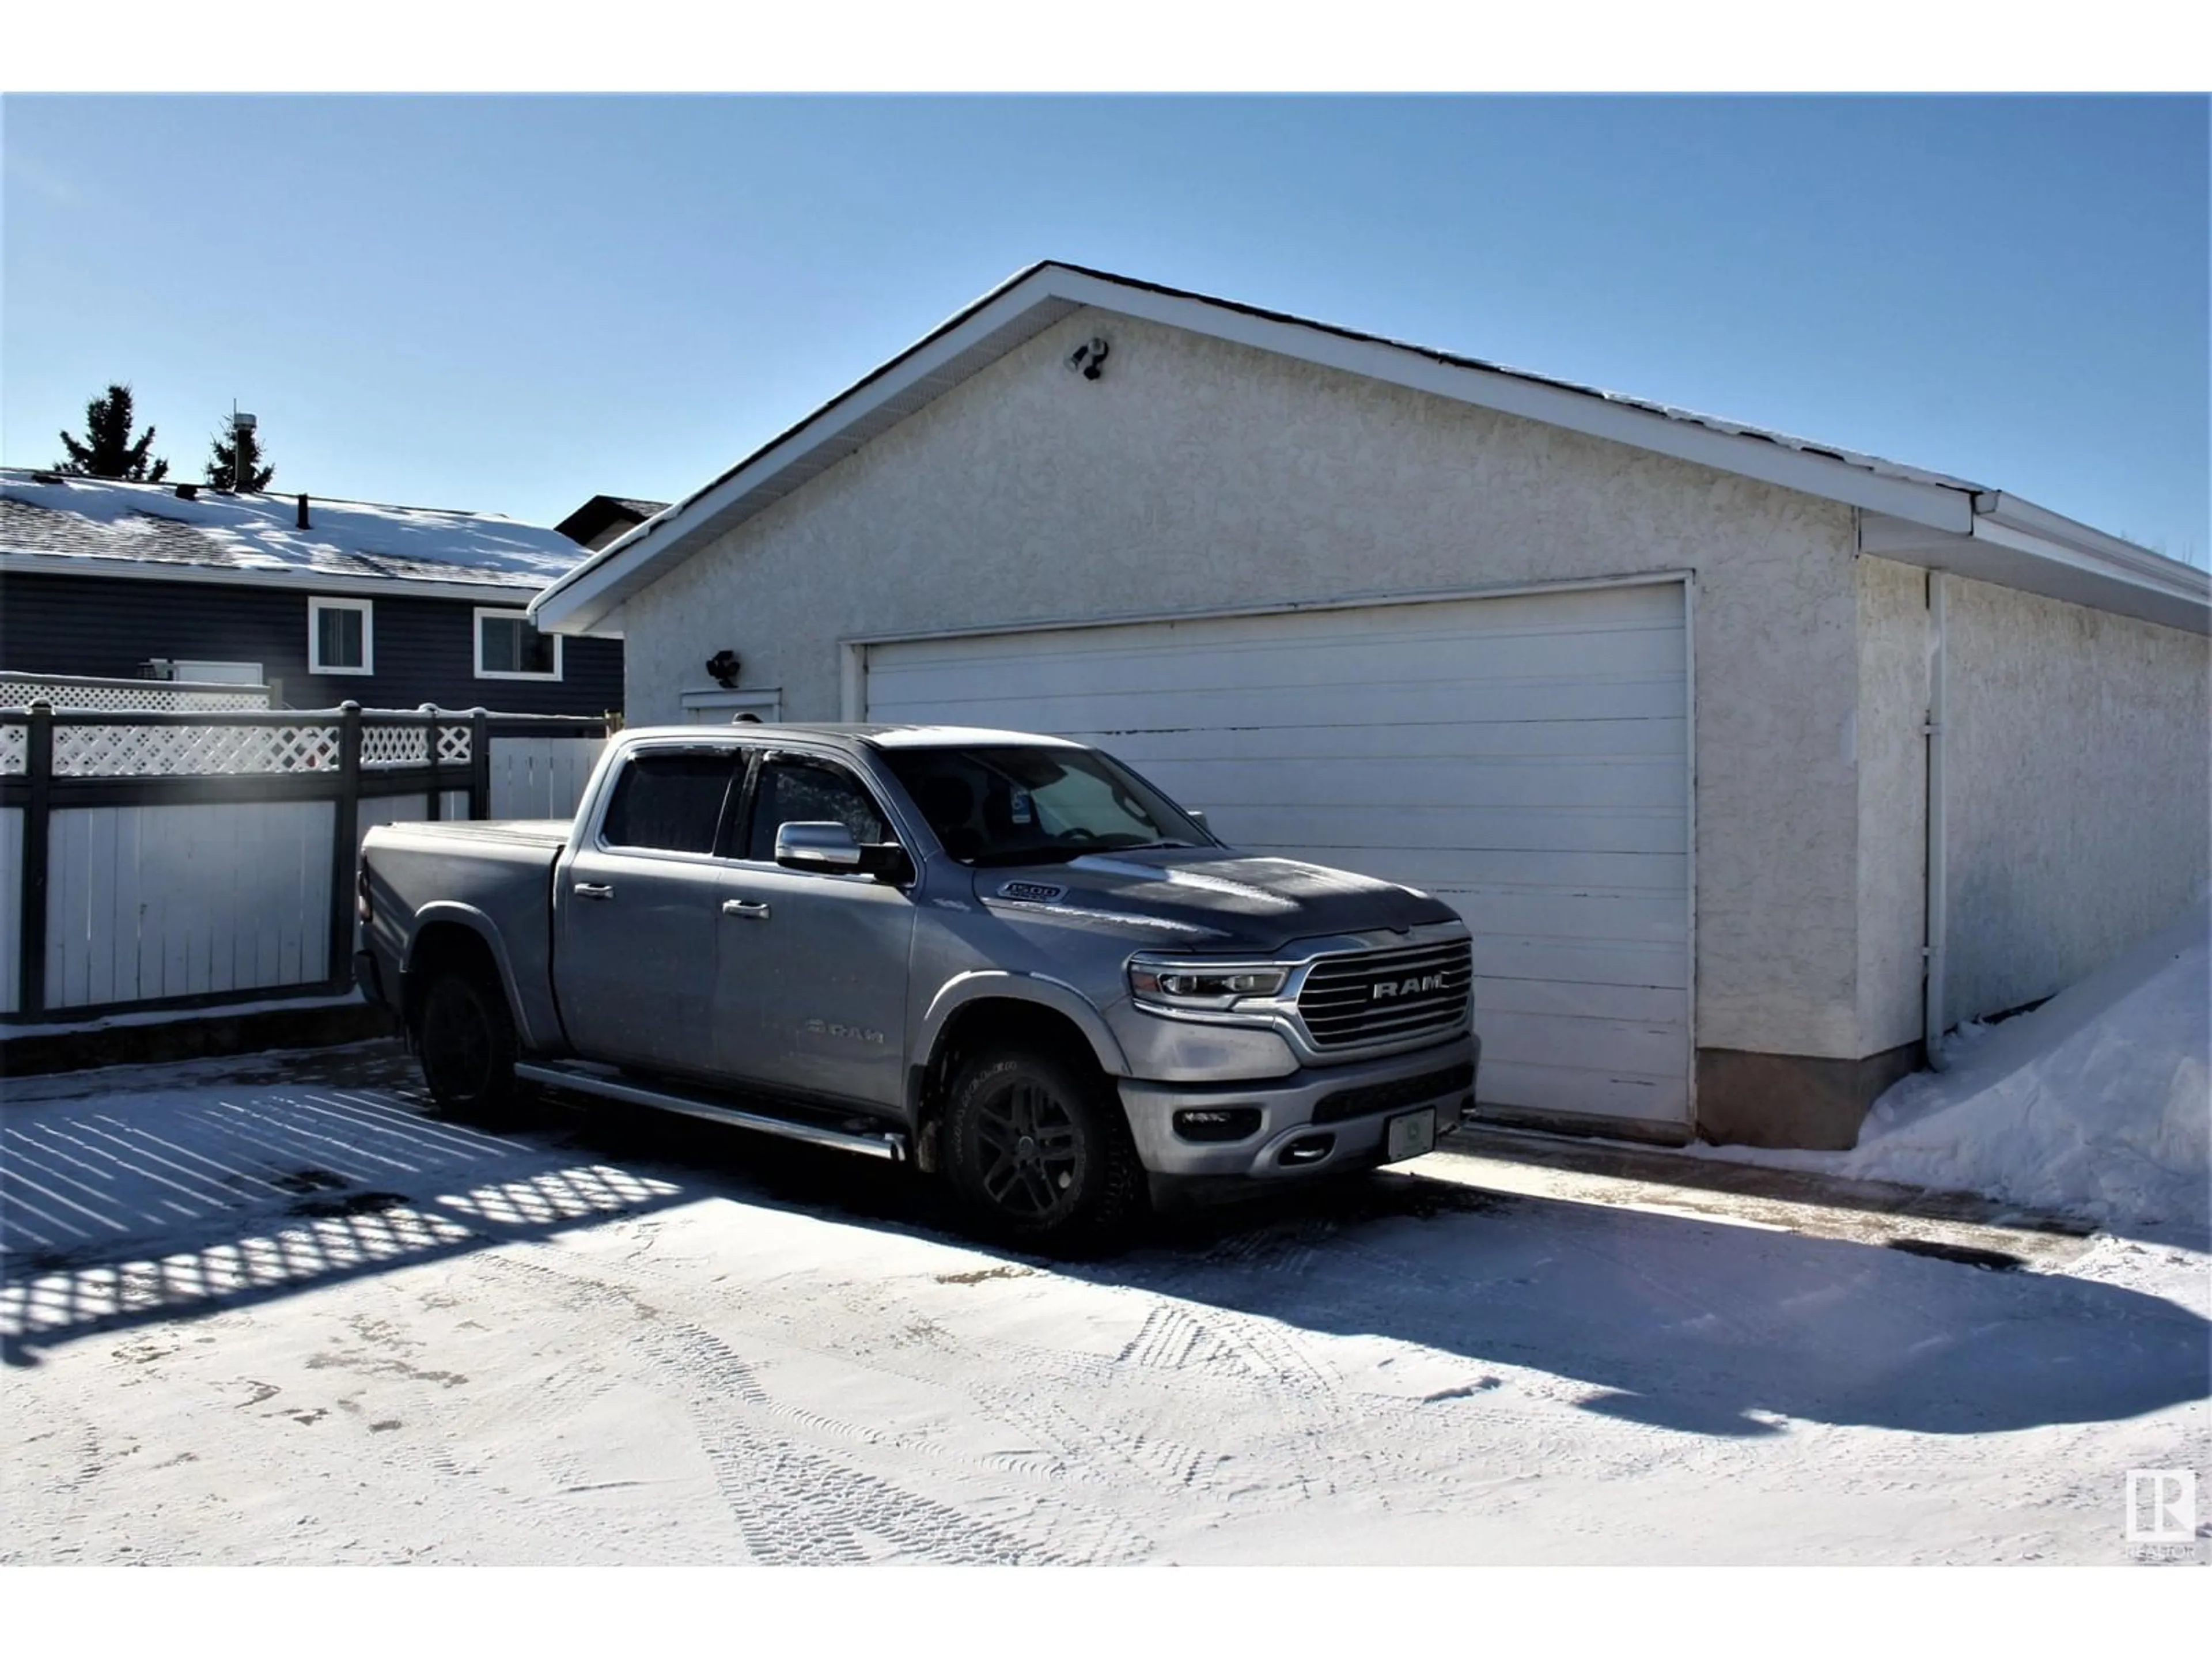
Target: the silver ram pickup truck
(1003, 957)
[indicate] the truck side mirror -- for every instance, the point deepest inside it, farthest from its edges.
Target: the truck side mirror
(828, 848)
(817, 847)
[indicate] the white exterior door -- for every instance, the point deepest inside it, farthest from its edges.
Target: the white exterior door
(1525, 759)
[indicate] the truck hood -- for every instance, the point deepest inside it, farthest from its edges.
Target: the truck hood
(1211, 899)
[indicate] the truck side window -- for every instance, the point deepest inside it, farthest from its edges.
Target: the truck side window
(810, 792)
(669, 802)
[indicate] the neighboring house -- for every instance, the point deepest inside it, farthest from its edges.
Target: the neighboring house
(325, 601)
(605, 517)
(1646, 696)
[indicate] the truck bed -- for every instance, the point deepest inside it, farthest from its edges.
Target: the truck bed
(499, 872)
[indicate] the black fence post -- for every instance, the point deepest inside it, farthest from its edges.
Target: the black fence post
(345, 842)
(435, 801)
(479, 764)
(38, 843)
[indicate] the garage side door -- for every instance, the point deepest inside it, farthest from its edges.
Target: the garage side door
(1524, 758)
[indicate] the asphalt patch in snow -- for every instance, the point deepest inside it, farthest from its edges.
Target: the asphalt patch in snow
(2002, 1262)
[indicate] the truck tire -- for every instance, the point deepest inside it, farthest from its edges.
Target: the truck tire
(465, 1039)
(1038, 1152)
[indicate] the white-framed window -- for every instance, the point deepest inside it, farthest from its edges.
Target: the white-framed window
(509, 649)
(341, 636)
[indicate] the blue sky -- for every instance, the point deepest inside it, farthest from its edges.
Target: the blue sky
(512, 304)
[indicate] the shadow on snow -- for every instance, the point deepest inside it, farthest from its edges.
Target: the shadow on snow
(115, 1212)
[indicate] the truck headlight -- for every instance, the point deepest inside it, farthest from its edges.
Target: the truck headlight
(1202, 984)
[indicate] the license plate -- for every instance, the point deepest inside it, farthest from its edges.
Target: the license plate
(1411, 1135)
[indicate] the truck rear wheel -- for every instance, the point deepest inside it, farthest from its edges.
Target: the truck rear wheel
(1038, 1149)
(464, 1038)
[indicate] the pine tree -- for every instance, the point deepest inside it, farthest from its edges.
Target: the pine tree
(107, 450)
(219, 463)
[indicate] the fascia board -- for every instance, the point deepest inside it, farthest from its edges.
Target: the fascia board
(1938, 506)
(2096, 579)
(2010, 512)
(300, 581)
(2009, 557)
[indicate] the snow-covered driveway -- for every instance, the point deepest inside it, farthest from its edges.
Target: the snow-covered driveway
(271, 1312)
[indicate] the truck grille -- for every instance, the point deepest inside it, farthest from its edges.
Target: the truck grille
(1381, 996)
(1348, 1104)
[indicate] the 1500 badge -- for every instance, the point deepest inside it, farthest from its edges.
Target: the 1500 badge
(830, 1028)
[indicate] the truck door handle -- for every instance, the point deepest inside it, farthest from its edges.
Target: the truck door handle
(594, 889)
(746, 908)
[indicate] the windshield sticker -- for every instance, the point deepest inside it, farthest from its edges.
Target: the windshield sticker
(1022, 810)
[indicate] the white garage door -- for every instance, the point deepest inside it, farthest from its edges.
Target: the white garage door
(1524, 758)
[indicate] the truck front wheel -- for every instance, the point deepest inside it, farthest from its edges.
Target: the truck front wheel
(466, 1038)
(1038, 1149)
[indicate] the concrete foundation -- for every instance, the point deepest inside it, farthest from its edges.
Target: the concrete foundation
(1792, 1100)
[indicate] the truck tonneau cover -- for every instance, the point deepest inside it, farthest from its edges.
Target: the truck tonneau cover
(551, 833)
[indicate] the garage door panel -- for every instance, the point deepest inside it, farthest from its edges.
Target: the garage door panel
(1616, 1046)
(1638, 738)
(1582, 1091)
(1309, 831)
(1102, 715)
(1318, 663)
(1524, 759)
(1573, 963)
(1533, 781)
(1642, 1004)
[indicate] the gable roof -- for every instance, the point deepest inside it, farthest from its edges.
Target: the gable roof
(105, 527)
(1917, 516)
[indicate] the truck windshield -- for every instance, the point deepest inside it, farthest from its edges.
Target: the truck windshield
(1037, 805)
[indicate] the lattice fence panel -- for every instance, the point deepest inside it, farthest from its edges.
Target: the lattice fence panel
(15, 743)
(191, 750)
(128, 693)
(391, 746)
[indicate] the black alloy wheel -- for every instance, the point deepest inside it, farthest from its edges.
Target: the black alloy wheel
(1039, 1150)
(1030, 1143)
(466, 1041)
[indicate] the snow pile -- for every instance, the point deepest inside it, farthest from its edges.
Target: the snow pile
(260, 531)
(2099, 1102)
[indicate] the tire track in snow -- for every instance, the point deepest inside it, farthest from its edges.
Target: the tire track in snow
(795, 1503)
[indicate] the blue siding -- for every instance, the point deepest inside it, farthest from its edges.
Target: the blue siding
(424, 652)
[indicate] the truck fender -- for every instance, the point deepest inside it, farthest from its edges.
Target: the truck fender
(467, 915)
(998, 982)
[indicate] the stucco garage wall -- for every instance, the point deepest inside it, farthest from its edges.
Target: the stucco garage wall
(1892, 751)
(2077, 789)
(1197, 474)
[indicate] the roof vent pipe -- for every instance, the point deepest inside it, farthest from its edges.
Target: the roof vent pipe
(303, 512)
(1935, 952)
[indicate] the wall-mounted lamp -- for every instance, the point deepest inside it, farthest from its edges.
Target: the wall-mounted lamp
(723, 666)
(1088, 358)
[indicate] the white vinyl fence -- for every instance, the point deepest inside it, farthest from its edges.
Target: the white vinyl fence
(541, 777)
(156, 858)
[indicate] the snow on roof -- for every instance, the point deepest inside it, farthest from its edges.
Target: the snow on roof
(99, 519)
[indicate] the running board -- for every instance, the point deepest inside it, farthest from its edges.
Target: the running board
(886, 1144)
